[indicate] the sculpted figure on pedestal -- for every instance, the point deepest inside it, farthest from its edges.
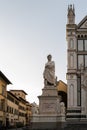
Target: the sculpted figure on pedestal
(62, 106)
(49, 72)
(35, 110)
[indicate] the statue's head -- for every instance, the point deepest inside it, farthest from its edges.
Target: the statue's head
(49, 57)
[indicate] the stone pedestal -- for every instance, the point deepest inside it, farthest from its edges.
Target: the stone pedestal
(49, 116)
(48, 101)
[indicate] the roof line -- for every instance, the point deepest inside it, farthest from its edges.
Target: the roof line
(5, 78)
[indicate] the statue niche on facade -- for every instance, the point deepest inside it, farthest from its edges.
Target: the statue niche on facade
(49, 72)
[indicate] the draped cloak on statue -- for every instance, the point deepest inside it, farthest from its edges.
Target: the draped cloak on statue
(49, 72)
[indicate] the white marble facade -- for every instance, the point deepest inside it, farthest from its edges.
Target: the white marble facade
(76, 36)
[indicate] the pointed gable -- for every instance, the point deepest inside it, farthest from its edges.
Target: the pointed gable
(83, 23)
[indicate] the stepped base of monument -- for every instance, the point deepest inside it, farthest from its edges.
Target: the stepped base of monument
(49, 122)
(48, 126)
(72, 125)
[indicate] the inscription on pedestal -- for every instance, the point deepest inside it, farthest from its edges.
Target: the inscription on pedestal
(49, 107)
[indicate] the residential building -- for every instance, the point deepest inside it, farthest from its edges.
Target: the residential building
(12, 114)
(3, 98)
(18, 109)
(21, 95)
(14, 108)
(22, 111)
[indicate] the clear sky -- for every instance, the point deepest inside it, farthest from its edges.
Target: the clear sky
(29, 31)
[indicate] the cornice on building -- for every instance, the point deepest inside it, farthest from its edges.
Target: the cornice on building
(19, 91)
(8, 92)
(5, 78)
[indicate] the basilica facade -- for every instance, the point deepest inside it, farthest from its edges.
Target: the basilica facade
(76, 35)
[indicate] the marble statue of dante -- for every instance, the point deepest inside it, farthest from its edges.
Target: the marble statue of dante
(49, 72)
